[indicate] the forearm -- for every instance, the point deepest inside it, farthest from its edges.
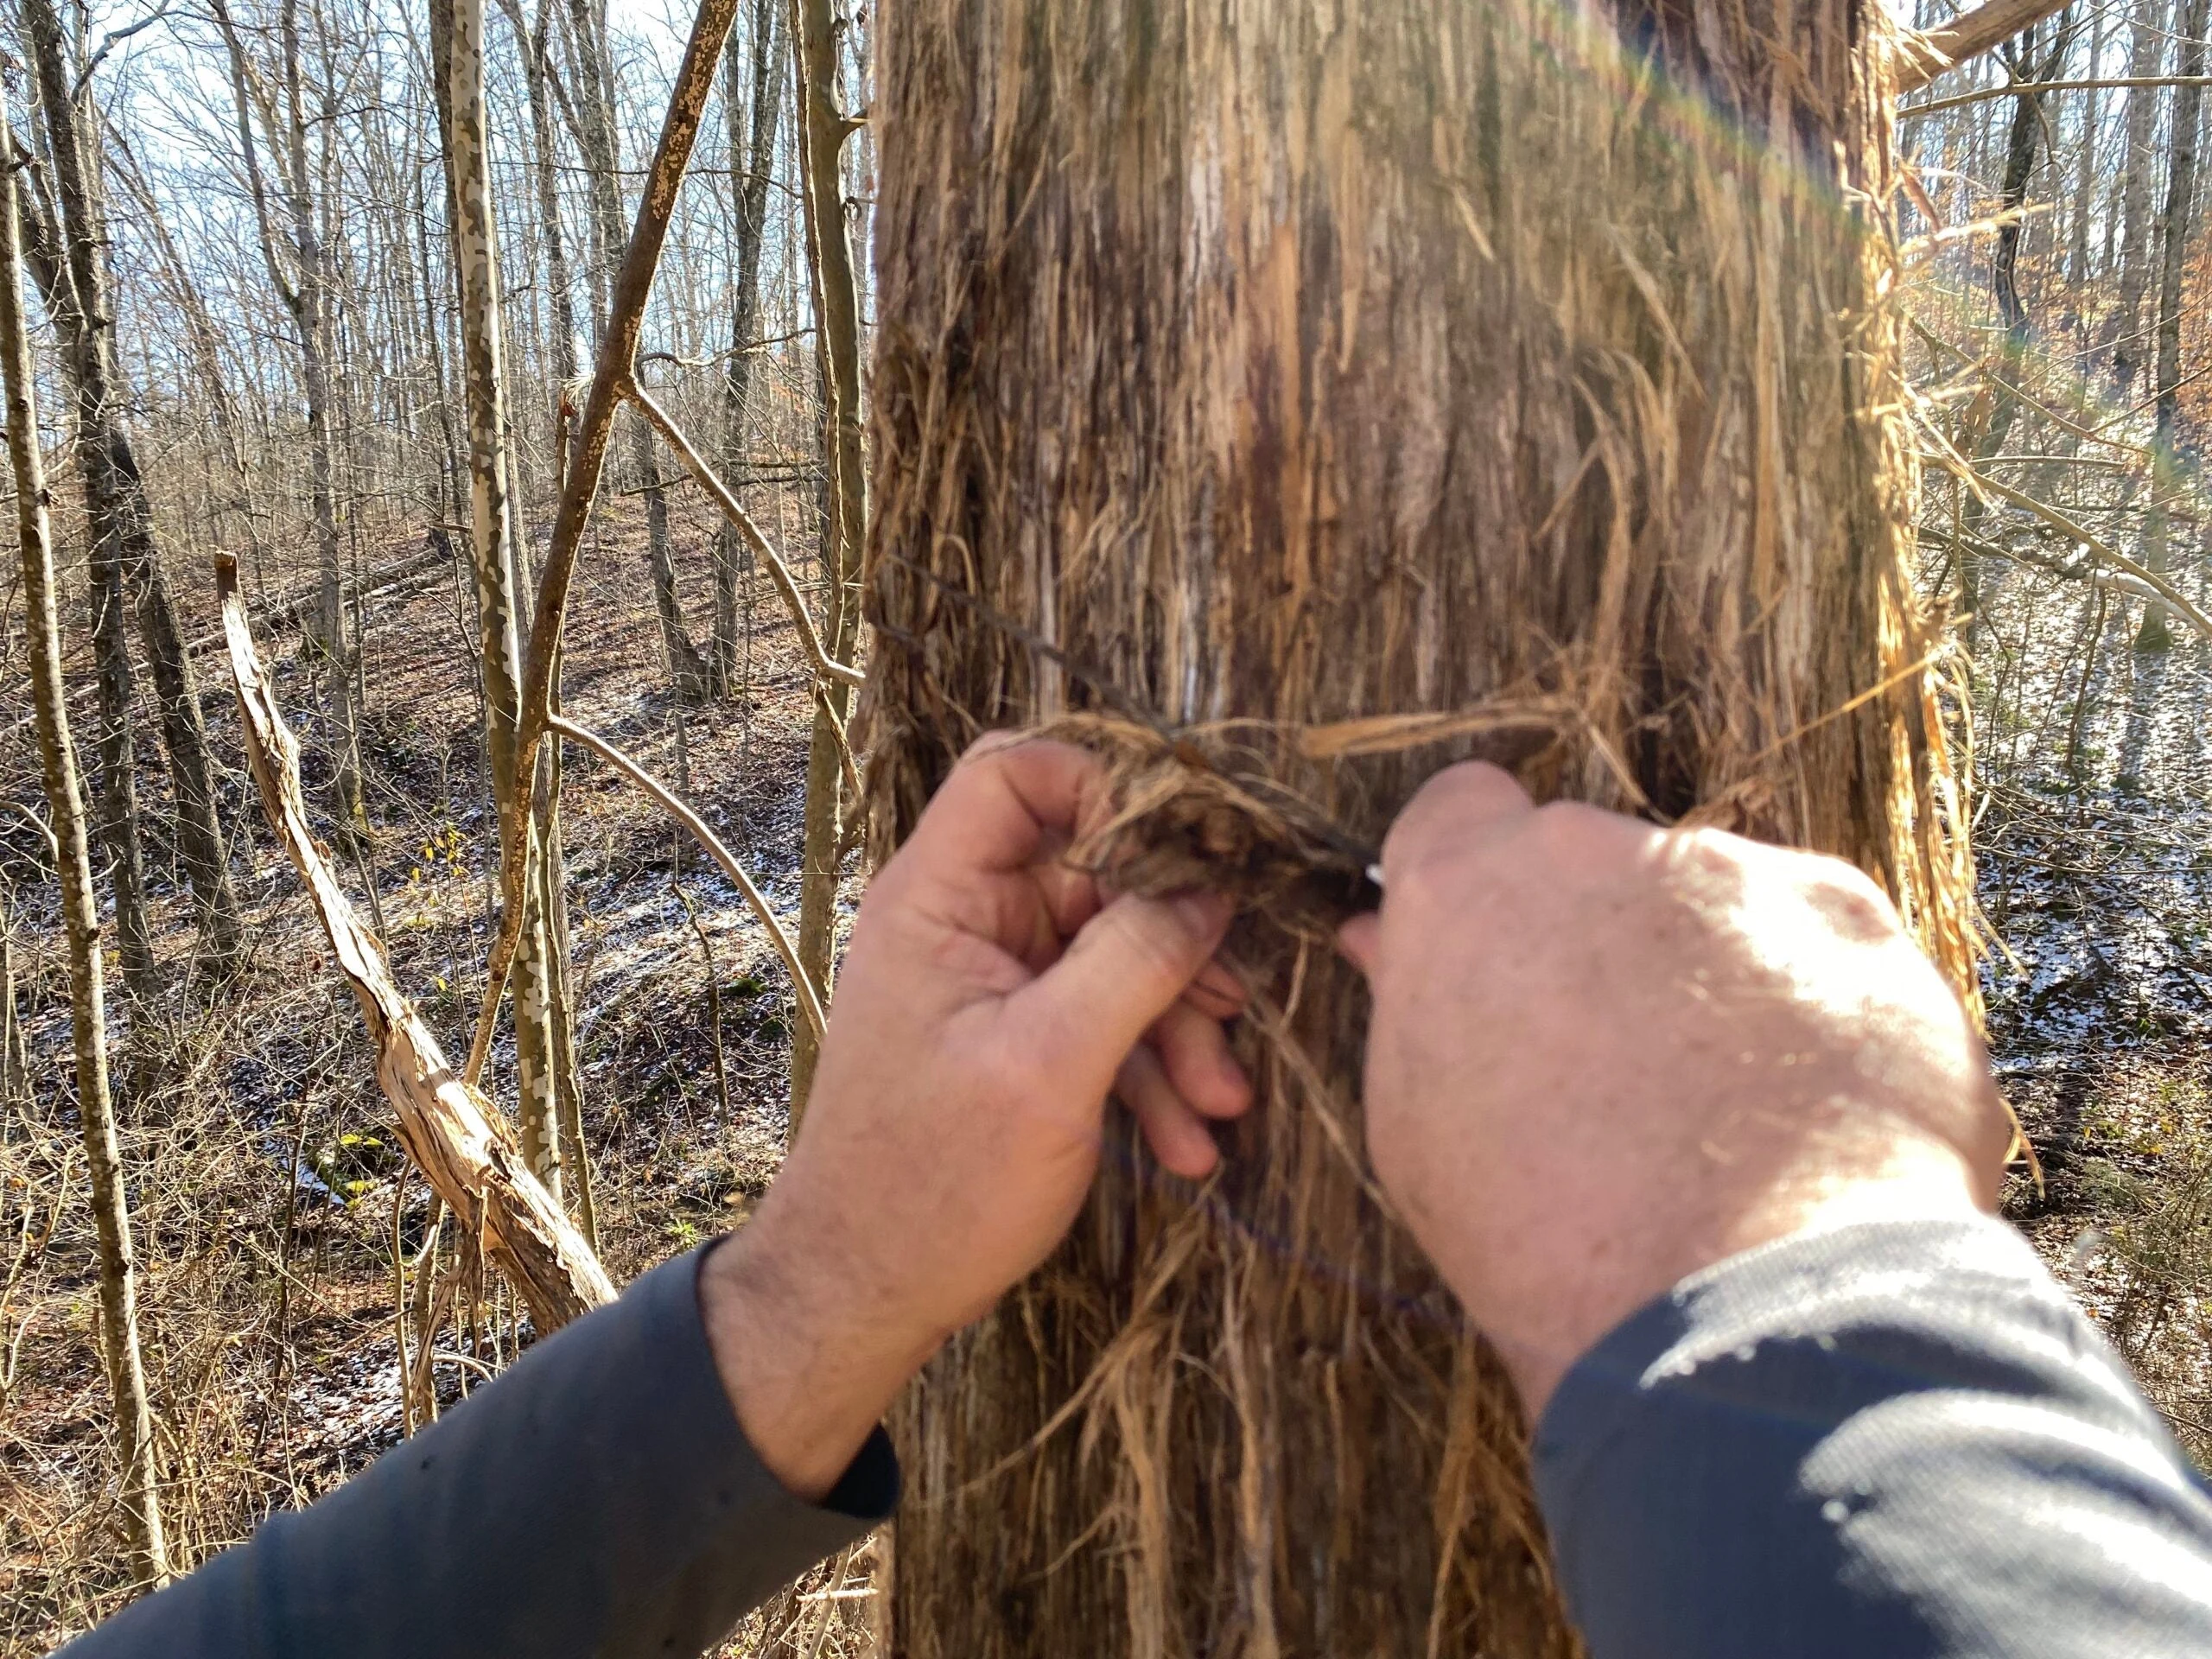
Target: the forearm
(1897, 1437)
(599, 1499)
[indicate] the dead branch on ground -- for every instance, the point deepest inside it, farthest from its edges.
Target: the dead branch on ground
(460, 1140)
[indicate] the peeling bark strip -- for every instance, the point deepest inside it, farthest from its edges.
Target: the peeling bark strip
(458, 1139)
(1284, 365)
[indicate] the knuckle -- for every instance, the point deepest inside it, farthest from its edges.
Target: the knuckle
(1577, 835)
(1846, 898)
(1156, 949)
(1572, 822)
(988, 744)
(1714, 854)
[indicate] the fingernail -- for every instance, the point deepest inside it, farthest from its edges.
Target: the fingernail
(1202, 912)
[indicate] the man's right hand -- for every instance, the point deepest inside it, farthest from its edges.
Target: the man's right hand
(1605, 1055)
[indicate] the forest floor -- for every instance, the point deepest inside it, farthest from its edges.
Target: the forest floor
(268, 1302)
(270, 1190)
(2094, 844)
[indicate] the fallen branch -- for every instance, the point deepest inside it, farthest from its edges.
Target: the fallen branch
(291, 609)
(810, 999)
(461, 1142)
(2078, 571)
(2090, 544)
(1968, 36)
(288, 611)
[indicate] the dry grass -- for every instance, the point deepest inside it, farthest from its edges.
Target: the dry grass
(2126, 1213)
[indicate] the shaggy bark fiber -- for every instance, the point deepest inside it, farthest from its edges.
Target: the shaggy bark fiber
(1292, 399)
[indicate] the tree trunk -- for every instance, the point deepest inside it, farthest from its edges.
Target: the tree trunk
(1999, 403)
(14, 1076)
(115, 506)
(450, 496)
(2175, 219)
(117, 814)
(751, 161)
(823, 132)
(536, 46)
(326, 632)
(118, 1292)
(305, 292)
(687, 670)
(1291, 366)
(2085, 173)
(457, 52)
(2138, 171)
(593, 107)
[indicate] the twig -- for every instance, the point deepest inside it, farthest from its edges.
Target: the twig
(2089, 543)
(399, 1305)
(714, 999)
(810, 999)
(2026, 88)
(824, 664)
(45, 829)
(829, 1605)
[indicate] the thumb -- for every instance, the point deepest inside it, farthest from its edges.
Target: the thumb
(1361, 940)
(1123, 970)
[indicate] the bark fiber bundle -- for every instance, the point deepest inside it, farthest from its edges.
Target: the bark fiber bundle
(1248, 370)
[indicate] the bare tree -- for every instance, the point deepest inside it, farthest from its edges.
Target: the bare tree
(2176, 216)
(534, 41)
(457, 54)
(117, 510)
(1999, 401)
(298, 266)
(2085, 165)
(823, 129)
(118, 1289)
(2139, 172)
(752, 159)
(240, 512)
(594, 102)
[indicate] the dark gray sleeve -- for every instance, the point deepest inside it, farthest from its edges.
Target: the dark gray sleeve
(1892, 1439)
(597, 1499)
